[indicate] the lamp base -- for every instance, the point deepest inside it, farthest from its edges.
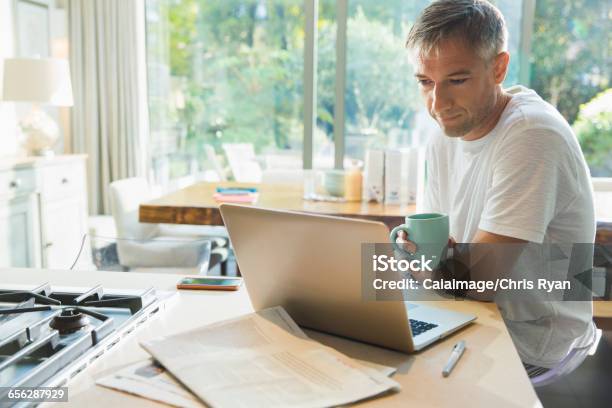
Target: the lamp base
(40, 132)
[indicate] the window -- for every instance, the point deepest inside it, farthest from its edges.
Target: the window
(232, 72)
(570, 68)
(223, 72)
(381, 98)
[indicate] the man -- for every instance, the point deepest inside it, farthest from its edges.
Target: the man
(507, 168)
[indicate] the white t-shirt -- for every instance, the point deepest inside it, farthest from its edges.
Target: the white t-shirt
(525, 179)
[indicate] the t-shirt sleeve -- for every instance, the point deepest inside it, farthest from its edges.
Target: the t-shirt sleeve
(532, 179)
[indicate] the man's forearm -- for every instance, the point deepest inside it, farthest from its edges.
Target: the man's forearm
(484, 260)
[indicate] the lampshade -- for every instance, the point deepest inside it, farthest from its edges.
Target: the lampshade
(40, 80)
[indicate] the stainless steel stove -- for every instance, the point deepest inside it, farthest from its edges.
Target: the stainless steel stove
(48, 335)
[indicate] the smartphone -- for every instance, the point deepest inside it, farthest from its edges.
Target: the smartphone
(210, 283)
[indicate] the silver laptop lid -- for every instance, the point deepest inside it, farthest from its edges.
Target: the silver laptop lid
(311, 265)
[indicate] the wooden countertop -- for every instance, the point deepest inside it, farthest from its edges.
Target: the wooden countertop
(489, 374)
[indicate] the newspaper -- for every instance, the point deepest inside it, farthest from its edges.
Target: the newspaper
(150, 380)
(255, 361)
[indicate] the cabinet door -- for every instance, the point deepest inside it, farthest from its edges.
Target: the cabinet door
(64, 225)
(20, 232)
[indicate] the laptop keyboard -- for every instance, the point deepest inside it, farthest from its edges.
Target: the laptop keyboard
(419, 327)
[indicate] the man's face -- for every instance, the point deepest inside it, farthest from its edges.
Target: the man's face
(458, 86)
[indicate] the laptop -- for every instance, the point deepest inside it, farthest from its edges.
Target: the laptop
(311, 265)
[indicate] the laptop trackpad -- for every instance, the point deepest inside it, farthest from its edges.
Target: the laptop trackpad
(410, 306)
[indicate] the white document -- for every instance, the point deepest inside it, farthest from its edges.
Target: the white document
(250, 361)
(279, 317)
(368, 367)
(149, 380)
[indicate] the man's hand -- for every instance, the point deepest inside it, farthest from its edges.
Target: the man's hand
(410, 247)
(404, 243)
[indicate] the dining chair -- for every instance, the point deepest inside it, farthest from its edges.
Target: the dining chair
(136, 239)
(243, 163)
(212, 157)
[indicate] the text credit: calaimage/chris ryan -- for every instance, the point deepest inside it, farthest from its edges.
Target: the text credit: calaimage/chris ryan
(384, 263)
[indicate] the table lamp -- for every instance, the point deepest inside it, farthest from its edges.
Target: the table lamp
(41, 81)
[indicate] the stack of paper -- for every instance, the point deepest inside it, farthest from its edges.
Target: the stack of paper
(264, 359)
(150, 380)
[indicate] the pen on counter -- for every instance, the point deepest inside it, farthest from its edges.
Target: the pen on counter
(456, 354)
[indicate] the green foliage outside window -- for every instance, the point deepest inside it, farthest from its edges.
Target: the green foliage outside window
(570, 64)
(594, 130)
(234, 70)
(237, 73)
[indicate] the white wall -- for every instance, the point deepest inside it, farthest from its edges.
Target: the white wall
(8, 122)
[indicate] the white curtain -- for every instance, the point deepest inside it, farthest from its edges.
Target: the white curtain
(109, 118)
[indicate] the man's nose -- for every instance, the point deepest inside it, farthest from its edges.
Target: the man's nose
(440, 99)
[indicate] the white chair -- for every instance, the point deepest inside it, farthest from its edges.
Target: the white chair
(143, 245)
(212, 157)
(242, 162)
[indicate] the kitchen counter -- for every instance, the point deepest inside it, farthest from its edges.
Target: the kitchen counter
(489, 374)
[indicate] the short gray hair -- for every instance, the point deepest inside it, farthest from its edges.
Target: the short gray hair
(477, 22)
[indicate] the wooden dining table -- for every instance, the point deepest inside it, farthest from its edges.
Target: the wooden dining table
(195, 205)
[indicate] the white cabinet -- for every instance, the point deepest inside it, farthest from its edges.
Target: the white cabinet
(64, 227)
(20, 231)
(43, 211)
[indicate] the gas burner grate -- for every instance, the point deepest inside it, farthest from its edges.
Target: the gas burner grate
(45, 333)
(94, 297)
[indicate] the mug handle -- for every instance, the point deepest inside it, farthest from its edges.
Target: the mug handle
(393, 237)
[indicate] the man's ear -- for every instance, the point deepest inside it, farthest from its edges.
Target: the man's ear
(500, 67)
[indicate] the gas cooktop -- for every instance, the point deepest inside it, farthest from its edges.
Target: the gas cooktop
(48, 335)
